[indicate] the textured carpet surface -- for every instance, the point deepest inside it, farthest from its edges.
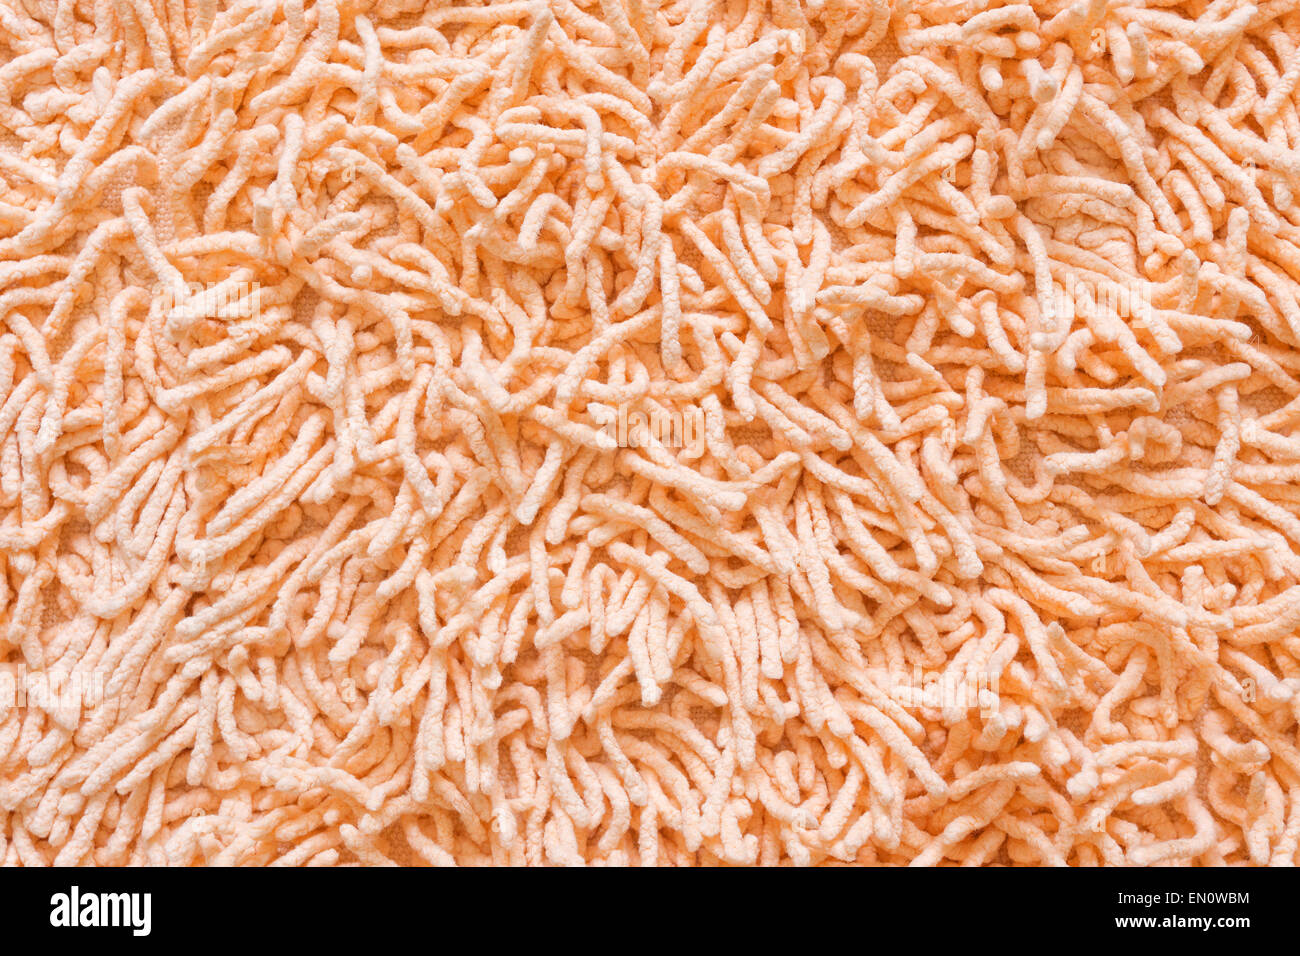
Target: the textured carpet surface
(649, 432)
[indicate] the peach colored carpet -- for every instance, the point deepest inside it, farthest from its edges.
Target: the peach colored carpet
(678, 432)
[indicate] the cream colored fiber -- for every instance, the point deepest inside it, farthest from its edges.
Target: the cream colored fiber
(640, 432)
